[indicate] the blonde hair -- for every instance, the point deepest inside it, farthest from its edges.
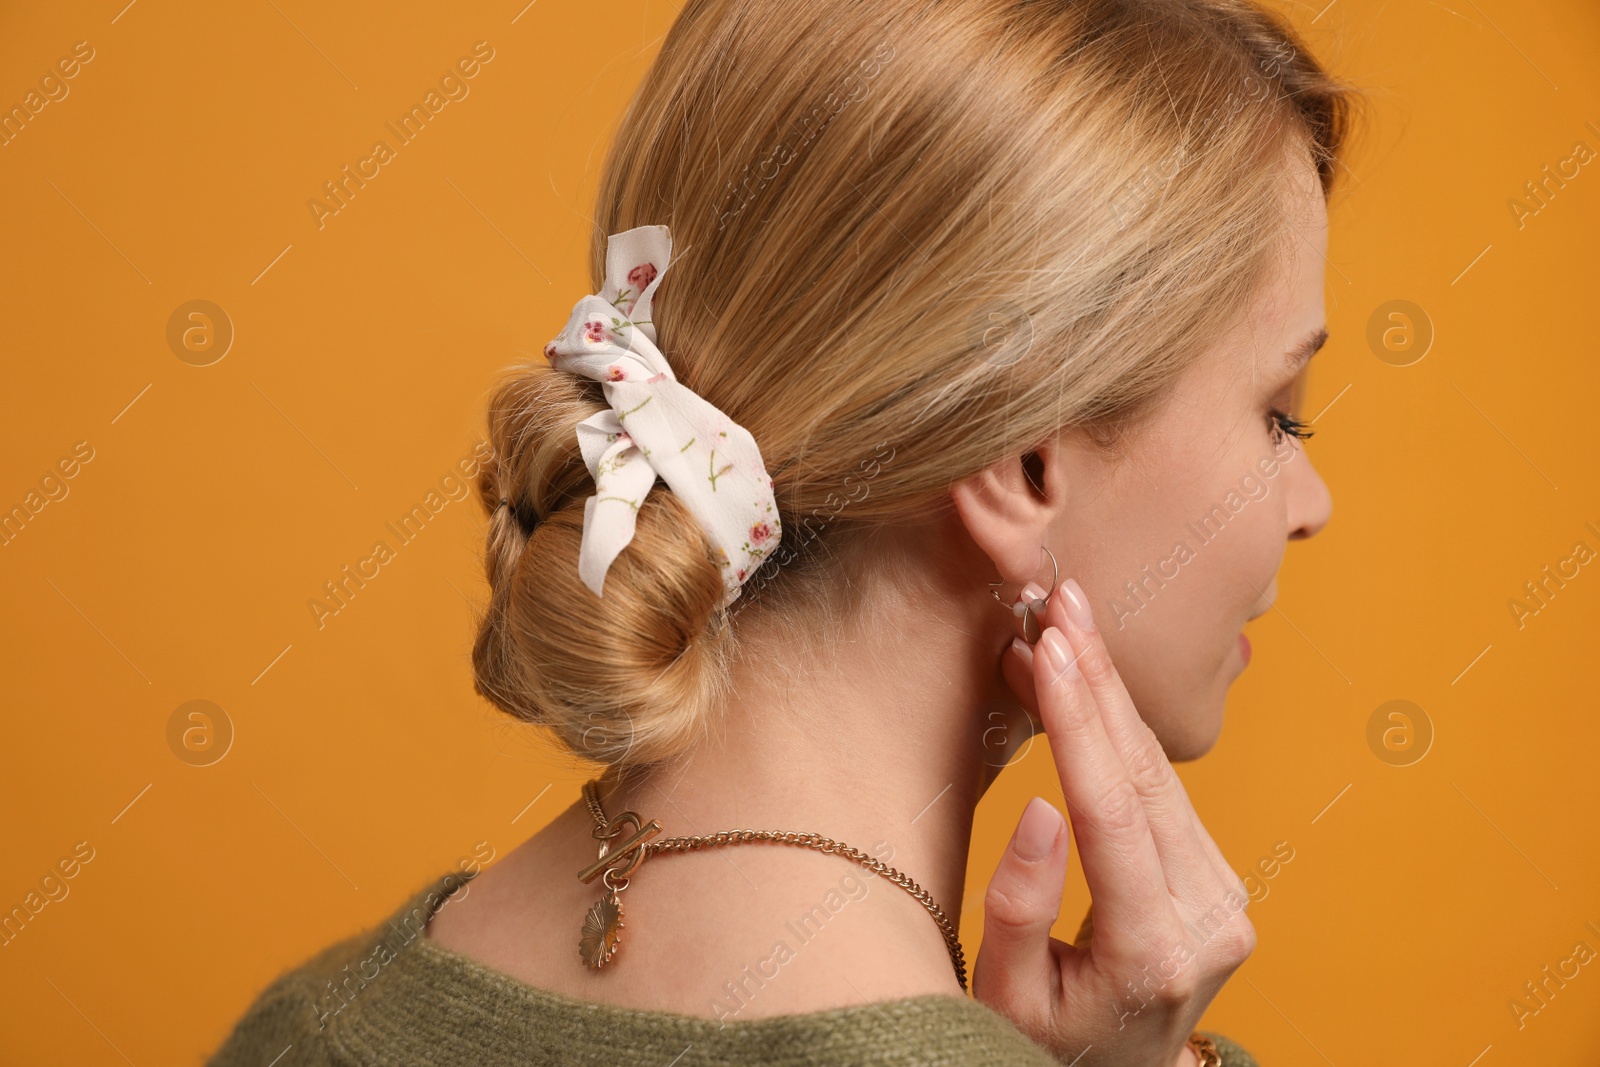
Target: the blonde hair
(909, 238)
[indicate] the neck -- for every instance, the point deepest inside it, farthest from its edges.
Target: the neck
(880, 735)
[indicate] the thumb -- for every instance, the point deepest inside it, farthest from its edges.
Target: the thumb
(1015, 964)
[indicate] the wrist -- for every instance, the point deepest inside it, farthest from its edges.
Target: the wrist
(1187, 1057)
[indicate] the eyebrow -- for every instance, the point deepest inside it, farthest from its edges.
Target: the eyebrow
(1301, 353)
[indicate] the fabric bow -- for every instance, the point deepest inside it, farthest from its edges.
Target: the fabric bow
(656, 426)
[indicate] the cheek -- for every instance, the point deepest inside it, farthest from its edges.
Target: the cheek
(1193, 553)
(1245, 557)
(1177, 673)
(1179, 571)
(1176, 550)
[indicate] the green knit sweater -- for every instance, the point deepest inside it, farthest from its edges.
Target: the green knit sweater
(391, 996)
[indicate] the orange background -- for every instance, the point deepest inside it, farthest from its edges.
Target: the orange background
(220, 498)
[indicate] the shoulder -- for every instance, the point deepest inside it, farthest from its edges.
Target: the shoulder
(962, 1030)
(300, 1004)
(928, 1030)
(286, 1013)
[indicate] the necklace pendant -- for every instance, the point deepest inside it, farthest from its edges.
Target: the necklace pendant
(618, 858)
(602, 931)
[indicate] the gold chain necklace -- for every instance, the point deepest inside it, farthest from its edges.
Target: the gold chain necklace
(620, 856)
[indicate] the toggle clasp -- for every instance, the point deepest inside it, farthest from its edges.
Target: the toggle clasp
(622, 859)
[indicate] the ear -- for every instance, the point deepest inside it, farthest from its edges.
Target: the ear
(1008, 508)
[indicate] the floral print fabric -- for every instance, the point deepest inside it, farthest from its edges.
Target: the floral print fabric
(657, 427)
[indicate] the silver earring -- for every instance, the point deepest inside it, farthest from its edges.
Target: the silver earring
(1032, 611)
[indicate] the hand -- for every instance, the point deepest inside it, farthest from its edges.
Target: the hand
(1166, 926)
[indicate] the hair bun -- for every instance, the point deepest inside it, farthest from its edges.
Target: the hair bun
(628, 677)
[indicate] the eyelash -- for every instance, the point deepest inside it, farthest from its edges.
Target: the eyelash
(1283, 423)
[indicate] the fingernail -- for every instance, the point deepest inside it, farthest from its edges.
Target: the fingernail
(1030, 596)
(1057, 654)
(1036, 833)
(1077, 605)
(1024, 650)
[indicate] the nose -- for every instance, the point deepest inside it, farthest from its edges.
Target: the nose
(1310, 504)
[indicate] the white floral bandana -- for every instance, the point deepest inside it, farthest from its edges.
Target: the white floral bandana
(656, 426)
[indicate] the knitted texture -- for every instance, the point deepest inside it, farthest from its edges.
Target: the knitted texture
(389, 996)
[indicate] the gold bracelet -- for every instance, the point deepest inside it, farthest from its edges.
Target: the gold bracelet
(1205, 1050)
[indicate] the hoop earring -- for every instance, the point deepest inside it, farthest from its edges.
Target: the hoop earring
(1032, 611)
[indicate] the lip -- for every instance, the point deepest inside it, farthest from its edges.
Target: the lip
(1244, 647)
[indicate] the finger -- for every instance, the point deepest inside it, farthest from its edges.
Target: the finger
(1016, 662)
(1018, 673)
(1016, 667)
(1015, 964)
(1224, 871)
(1219, 862)
(1190, 871)
(1120, 862)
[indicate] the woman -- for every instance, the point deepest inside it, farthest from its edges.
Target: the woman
(979, 300)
